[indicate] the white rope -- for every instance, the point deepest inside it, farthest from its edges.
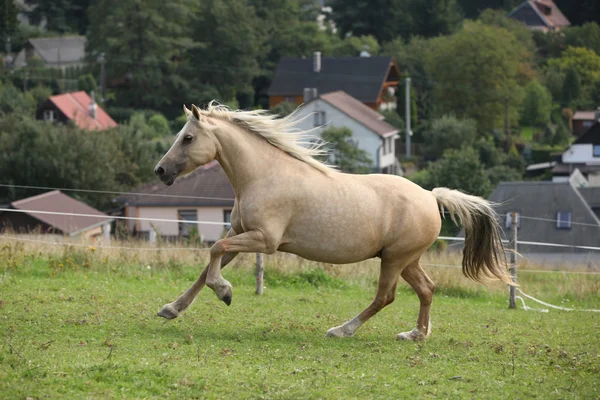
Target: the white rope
(460, 239)
(551, 305)
(526, 308)
(555, 220)
(108, 217)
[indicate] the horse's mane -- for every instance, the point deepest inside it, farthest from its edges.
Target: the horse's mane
(280, 132)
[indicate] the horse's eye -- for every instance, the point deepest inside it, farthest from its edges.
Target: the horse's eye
(187, 138)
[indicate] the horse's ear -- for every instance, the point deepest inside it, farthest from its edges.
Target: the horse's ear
(187, 111)
(196, 112)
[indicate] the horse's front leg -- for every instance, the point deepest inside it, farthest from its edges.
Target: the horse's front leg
(247, 242)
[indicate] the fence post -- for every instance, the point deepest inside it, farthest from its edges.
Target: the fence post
(513, 258)
(259, 273)
(106, 235)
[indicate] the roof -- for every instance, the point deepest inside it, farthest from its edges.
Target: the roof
(56, 201)
(360, 77)
(62, 49)
(207, 186)
(591, 194)
(585, 115)
(533, 11)
(75, 106)
(363, 114)
(543, 200)
(591, 135)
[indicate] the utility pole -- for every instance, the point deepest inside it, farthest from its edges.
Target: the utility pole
(101, 59)
(408, 131)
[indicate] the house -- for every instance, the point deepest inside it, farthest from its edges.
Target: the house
(78, 107)
(550, 212)
(583, 120)
(371, 80)
(203, 195)
(369, 130)
(53, 52)
(55, 201)
(541, 15)
(583, 154)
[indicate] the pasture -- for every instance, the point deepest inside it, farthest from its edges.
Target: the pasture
(81, 323)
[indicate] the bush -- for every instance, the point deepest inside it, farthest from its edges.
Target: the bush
(160, 124)
(449, 132)
(537, 105)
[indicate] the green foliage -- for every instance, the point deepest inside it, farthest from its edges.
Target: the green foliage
(584, 61)
(394, 119)
(449, 132)
(537, 105)
(571, 90)
(553, 80)
(87, 83)
(503, 173)
(160, 124)
(353, 45)
(346, 155)
(60, 15)
(8, 19)
(284, 108)
(40, 94)
(478, 71)
(12, 100)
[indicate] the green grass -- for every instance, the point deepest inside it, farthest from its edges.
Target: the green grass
(527, 133)
(89, 331)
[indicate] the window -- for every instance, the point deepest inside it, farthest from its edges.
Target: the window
(508, 221)
(596, 150)
(319, 118)
(227, 219)
(587, 124)
(48, 115)
(563, 220)
(187, 215)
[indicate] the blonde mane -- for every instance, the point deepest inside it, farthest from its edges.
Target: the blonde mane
(279, 132)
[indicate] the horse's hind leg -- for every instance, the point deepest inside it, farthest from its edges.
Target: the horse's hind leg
(424, 287)
(386, 293)
(172, 310)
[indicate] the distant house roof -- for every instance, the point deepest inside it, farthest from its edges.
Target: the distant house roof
(361, 113)
(585, 115)
(56, 50)
(539, 13)
(591, 135)
(75, 106)
(543, 201)
(591, 194)
(56, 201)
(360, 77)
(205, 187)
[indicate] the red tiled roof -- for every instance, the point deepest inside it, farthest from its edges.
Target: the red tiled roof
(359, 112)
(555, 18)
(56, 201)
(75, 106)
(585, 115)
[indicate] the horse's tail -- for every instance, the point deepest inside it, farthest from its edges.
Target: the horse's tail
(483, 254)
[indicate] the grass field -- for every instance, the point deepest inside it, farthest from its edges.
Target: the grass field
(82, 324)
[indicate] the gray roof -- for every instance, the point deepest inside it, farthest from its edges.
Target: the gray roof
(543, 200)
(360, 77)
(205, 187)
(63, 49)
(591, 194)
(591, 135)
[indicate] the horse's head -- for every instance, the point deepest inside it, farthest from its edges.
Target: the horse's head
(194, 146)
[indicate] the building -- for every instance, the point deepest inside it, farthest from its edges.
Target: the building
(371, 80)
(542, 15)
(583, 120)
(29, 221)
(77, 107)
(584, 155)
(203, 195)
(369, 130)
(551, 212)
(53, 52)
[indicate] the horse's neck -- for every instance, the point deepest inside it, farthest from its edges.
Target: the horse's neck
(245, 157)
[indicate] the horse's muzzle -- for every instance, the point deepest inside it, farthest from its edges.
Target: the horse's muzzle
(166, 177)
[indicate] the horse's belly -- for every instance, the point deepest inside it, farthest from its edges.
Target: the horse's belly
(328, 253)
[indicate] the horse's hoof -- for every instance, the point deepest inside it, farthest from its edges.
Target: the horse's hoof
(167, 313)
(227, 298)
(414, 335)
(338, 331)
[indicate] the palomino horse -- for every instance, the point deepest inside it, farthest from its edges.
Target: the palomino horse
(286, 200)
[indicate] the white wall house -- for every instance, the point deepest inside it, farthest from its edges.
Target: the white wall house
(369, 130)
(204, 195)
(584, 155)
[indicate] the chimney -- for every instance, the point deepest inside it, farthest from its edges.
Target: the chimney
(317, 61)
(310, 94)
(93, 106)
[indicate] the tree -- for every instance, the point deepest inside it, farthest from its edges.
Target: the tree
(472, 8)
(537, 105)
(584, 61)
(87, 83)
(8, 19)
(432, 18)
(448, 132)
(60, 15)
(284, 108)
(457, 169)
(579, 12)
(346, 155)
(571, 90)
(145, 44)
(479, 73)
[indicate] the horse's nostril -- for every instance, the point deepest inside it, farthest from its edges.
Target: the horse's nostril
(159, 171)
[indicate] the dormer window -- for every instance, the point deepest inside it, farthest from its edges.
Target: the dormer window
(48, 115)
(563, 220)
